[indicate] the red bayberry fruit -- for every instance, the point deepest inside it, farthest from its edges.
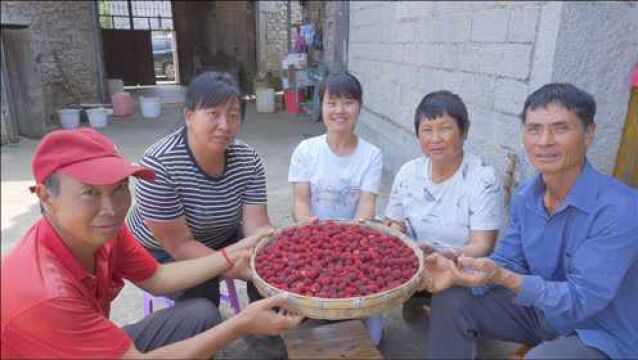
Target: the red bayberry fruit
(330, 260)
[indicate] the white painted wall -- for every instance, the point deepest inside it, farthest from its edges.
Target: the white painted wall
(493, 54)
(597, 49)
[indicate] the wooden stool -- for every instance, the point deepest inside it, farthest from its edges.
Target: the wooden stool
(341, 340)
(520, 352)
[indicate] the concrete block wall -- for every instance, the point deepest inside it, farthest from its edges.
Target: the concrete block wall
(597, 49)
(64, 47)
(493, 54)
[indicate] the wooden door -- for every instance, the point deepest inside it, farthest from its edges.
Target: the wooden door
(8, 122)
(21, 87)
(627, 158)
(128, 55)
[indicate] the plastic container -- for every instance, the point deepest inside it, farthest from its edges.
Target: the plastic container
(122, 104)
(151, 106)
(69, 118)
(279, 101)
(293, 101)
(114, 86)
(265, 100)
(98, 117)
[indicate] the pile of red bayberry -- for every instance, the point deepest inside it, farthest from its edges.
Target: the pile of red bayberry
(332, 260)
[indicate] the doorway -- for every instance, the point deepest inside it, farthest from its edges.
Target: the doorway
(138, 41)
(23, 107)
(217, 36)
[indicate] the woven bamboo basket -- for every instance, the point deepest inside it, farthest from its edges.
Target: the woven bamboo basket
(343, 308)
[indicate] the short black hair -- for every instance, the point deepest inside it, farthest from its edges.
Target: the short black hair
(342, 84)
(566, 95)
(210, 89)
(440, 103)
(52, 183)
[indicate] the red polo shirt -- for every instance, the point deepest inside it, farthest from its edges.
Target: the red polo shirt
(52, 307)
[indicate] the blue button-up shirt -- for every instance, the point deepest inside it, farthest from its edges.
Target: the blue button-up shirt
(580, 264)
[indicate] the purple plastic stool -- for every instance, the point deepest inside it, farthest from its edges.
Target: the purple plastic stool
(150, 299)
(231, 297)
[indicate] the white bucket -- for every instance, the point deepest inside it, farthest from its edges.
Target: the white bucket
(265, 100)
(151, 106)
(97, 117)
(69, 118)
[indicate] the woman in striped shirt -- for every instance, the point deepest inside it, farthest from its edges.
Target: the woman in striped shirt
(210, 189)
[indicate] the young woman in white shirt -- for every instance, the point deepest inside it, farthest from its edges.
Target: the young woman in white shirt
(448, 200)
(337, 175)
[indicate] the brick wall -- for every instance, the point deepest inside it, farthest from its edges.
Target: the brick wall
(493, 54)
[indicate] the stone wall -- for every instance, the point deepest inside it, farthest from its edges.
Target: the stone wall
(272, 33)
(493, 54)
(64, 47)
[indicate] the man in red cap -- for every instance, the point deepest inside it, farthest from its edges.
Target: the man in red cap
(59, 280)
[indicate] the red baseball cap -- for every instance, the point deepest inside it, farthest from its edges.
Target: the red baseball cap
(83, 154)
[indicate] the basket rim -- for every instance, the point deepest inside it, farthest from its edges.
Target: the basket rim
(396, 291)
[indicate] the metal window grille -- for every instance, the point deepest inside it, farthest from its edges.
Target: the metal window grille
(129, 14)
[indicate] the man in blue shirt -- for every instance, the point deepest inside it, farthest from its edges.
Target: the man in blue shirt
(564, 278)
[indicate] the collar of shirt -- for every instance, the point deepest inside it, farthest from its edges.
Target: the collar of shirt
(585, 191)
(581, 196)
(434, 191)
(52, 240)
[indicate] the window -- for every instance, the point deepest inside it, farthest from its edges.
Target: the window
(130, 15)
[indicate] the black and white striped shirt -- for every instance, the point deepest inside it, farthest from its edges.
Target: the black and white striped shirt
(212, 206)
